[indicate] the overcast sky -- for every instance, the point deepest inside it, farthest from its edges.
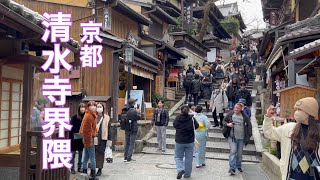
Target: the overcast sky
(251, 12)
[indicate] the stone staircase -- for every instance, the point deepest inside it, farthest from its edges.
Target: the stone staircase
(217, 145)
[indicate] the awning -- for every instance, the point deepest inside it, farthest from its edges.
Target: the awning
(308, 67)
(170, 48)
(76, 93)
(306, 49)
(139, 72)
(127, 11)
(160, 13)
(97, 98)
(275, 56)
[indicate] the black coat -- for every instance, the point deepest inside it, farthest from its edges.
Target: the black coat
(206, 90)
(232, 93)
(132, 115)
(164, 117)
(245, 94)
(76, 144)
(247, 125)
(196, 86)
(184, 129)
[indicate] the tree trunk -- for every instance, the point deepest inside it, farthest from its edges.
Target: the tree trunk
(205, 20)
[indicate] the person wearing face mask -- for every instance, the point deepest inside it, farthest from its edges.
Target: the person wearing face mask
(245, 94)
(103, 134)
(88, 130)
(299, 141)
(76, 139)
(236, 75)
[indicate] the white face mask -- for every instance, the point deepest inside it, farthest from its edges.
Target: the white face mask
(99, 110)
(93, 108)
(300, 116)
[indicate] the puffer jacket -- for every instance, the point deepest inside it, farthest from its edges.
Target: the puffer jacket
(282, 134)
(88, 128)
(196, 86)
(184, 128)
(206, 90)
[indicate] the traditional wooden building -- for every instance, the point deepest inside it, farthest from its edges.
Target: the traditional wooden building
(20, 51)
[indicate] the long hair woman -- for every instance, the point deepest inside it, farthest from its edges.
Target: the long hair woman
(299, 141)
(160, 121)
(201, 135)
(88, 130)
(76, 139)
(103, 133)
(185, 126)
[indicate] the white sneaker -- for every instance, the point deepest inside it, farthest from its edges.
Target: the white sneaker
(125, 160)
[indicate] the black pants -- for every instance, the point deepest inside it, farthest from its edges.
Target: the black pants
(215, 118)
(187, 96)
(195, 99)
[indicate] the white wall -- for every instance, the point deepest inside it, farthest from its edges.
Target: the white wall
(211, 55)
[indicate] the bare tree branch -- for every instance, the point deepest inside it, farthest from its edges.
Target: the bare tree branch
(205, 20)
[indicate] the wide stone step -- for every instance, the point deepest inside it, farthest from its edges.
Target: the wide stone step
(214, 137)
(209, 155)
(219, 147)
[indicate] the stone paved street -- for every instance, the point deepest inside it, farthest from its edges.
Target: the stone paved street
(162, 167)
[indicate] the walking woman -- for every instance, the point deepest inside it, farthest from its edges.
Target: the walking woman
(299, 141)
(218, 105)
(160, 121)
(185, 126)
(88, 130)
(206, 91)
(103, 133)
(201, 135)
(76, 139)
(238, 129)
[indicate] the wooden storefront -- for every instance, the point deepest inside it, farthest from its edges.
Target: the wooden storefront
(22, 31)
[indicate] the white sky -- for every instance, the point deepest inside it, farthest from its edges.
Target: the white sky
(251, 12)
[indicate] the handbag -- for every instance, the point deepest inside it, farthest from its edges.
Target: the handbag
(196, 143)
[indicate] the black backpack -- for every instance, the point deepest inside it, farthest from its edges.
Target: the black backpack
(124, 121)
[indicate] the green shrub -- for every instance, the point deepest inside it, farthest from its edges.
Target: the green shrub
(155, 99)
(259, 118)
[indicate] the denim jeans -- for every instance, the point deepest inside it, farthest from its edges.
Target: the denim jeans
(184, 157)
(89, 153)
(79, 159)
(236, 148)
(129, 146)
(231, 104)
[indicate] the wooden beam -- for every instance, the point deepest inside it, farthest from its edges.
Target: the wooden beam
(26, 111)
(18, 27)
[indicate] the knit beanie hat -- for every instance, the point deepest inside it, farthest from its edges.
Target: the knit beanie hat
(309, 105)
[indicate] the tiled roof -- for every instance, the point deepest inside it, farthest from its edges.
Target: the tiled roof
(31, 16)
(306, 31)
(313, 44)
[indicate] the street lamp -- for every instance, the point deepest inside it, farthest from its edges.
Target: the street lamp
(129, 52)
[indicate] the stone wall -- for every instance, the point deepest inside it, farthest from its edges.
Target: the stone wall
(271, 165)
(192, 58)
(118, 135)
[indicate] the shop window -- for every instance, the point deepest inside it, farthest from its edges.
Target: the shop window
(11, 113)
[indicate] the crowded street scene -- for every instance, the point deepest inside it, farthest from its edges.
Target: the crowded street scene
(159, 90)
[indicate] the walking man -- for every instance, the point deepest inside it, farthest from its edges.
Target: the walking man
(238, 129)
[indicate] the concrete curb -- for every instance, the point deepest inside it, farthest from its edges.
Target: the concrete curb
(255, 131)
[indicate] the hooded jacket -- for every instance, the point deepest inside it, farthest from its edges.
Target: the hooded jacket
(282, 134)
(184, 128)
(88, 128)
